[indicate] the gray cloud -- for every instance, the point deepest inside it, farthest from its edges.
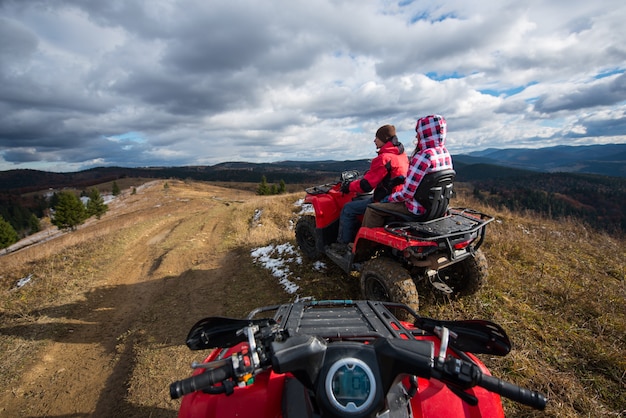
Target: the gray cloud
(604, 92)
(135, 83)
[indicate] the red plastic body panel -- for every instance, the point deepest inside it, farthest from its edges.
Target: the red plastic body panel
(381, 236)
(328, 206)
(263, 398)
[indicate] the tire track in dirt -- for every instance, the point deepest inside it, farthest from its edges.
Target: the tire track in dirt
(150, 294)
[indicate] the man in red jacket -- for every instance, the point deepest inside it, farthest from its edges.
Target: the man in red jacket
(385, 176)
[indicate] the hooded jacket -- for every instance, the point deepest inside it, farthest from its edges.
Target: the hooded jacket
(430, 155)
(387, 171)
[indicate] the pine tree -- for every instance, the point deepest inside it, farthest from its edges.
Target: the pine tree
(264, 188)
(95, 205)
(35, 225)
(69, 211)
(115, 189)
(8, 235)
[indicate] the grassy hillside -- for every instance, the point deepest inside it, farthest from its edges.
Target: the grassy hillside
(559, 290)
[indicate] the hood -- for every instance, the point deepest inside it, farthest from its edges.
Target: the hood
(392, 147)
(431, 132)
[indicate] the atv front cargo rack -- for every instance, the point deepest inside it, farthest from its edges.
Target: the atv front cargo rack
(340, 319)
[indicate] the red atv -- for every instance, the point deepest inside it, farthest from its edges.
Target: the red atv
(442, 246)
(345, 359)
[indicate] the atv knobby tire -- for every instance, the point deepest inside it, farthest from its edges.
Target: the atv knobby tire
(307, 238)
(469, 275)
(386, 280)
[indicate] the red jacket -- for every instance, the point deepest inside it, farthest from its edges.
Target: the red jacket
(386, 173)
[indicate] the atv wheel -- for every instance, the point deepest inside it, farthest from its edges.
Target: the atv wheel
(469, 275)
(306, 237)
(385, 280)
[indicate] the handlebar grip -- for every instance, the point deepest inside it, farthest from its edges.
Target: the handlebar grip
(202, 380)
(514, 392)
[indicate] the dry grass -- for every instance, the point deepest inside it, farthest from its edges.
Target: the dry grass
(558, 288)
(263, 219)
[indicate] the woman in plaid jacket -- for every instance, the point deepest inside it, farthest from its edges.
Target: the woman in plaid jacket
(430, 155)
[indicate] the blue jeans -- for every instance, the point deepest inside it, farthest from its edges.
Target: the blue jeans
(348, 222)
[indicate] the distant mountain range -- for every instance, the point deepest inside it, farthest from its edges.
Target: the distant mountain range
(608, 160)
(604, 160)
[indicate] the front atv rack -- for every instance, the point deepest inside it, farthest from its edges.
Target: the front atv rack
(340, 319)
(367, 320)
(321, 189)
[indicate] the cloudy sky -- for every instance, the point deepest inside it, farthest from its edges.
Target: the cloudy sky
(132, 83)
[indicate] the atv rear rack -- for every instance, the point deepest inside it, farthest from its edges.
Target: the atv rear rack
(459, 221)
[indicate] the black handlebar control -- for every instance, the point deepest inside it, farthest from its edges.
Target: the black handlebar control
(202, 381)
(465, 375)
(515, 393)
(239, 366)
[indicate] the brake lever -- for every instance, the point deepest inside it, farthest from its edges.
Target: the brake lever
(249, 331)
(444, 335)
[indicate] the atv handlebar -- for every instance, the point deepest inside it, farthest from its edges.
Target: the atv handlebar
(463, 374)
(514, 392)
(406, 356)
(324, 360)
(236, 369)
(217, 374)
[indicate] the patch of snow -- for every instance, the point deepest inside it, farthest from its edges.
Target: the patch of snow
(256, 218)
(305, 208)
(319, 265)
(23, 281)
(276, 259)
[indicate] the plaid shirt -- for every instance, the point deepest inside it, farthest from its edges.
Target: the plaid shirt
(430, 155)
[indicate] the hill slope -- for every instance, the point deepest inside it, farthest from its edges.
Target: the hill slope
(98, 327)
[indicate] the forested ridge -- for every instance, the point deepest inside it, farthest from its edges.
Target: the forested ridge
(595, 200)
(598, 201)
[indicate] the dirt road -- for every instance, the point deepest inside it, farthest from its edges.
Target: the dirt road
(112, 347)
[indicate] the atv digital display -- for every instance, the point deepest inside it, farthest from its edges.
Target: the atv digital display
(350, 385)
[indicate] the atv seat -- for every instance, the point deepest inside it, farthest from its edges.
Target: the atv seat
(434, 193)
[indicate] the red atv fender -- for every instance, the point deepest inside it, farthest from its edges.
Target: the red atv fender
(327, 201)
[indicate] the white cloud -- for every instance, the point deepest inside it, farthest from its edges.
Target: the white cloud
(207, 82)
